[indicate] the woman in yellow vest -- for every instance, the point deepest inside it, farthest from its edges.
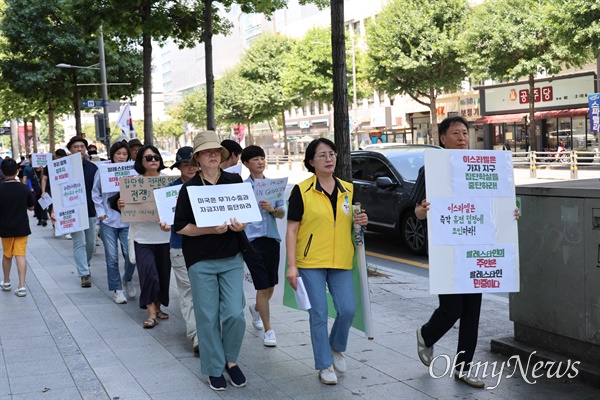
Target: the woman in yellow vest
(320, 250)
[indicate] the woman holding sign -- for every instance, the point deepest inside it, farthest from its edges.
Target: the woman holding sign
(113, 230)
(213, 256)
(151, 245)
(454, 135)
(320, 251)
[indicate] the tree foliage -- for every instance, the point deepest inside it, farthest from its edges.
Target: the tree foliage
(193, 109)
(576, 24)
(413, 50)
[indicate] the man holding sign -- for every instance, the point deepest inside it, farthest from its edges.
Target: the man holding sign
(453, 133)
(213, 256)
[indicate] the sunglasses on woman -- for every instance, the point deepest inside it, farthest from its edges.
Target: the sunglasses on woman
(150, 157)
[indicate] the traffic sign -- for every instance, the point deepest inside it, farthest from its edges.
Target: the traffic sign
(93, 103)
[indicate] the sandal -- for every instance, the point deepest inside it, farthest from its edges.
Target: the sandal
(162, 315)
(150, 323)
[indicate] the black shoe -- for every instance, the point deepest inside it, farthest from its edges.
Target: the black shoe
(44, 222)
(39, 222)
(217, 382)
(236, 376)
(86, 281)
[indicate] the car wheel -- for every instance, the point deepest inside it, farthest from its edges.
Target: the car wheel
(414, 233)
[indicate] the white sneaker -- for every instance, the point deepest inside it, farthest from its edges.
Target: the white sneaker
(270, 340)
(472, 381)
(68, 236)
(339, 361)
(129, 289)
(425, 353)
(328, 376)
(195, 345)
(120, 297)
(6, 286)
(256, 320)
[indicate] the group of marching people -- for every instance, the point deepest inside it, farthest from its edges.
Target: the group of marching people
(208, 262)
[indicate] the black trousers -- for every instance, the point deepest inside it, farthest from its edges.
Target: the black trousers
(453, 307)
(154, 269)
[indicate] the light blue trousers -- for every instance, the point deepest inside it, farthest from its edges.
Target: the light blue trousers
(218, 293)
(84, 243)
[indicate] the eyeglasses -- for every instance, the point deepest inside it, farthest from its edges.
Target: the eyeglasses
(150, 157)
(326, 156)
(211, 152)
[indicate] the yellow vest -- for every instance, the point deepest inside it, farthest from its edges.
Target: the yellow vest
(323, 242)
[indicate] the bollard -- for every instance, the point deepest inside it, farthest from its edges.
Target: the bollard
(532, 168)
(573, 165)
(277, 162)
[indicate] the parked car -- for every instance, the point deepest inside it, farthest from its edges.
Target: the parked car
(383, 180)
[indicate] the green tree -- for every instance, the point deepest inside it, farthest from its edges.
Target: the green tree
(44, 133)
(261, 64)
(413, 50)
(193, 109)
(506, 40)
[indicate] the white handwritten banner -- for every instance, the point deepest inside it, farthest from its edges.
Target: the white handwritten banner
(111, 173)
(270, 190)
(40, 159)
(166, 200)
(482, 173)
(213, 205)
(461, 220)
(485, 268)
(73, 194)
(67, 221)
(61, 170)
(471, 219)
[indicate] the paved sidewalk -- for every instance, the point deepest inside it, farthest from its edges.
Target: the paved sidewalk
(66, 342)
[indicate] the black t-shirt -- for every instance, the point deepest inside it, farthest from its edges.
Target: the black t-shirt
(15, 199)
(296, 205)
(205, 247)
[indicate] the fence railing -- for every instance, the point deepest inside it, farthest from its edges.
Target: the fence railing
(572, 159)
(280, 162)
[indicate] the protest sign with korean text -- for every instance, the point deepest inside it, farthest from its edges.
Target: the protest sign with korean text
(138, 194)
(111, 173)
(166, 200)
(67, 184)
(40, 159)
(473, 238)
(270, 190)
(213, 205)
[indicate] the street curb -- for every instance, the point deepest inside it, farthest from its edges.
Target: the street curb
(508, 346)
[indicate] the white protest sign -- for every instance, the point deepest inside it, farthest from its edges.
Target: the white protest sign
(166, 200)
(68, 186)
(235, 169)
(213, 205)
(45, 201)
(40, 159)
(472, 209)
(61, 170)
(110, 174)
(270, 190)
(486, 173)
(67, 221)
(73, 194)
(485, 268)
(461, 220)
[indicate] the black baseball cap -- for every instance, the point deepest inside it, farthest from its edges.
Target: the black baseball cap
(184, 154)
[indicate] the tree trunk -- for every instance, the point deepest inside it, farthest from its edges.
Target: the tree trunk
(147, 68)
(34, 134)
(343, 169)
(26, 136)
(51, 127)
(208, 60)
(286, 149)
(77, 106)
(433, 112)
(249, 135)
(532, 139)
